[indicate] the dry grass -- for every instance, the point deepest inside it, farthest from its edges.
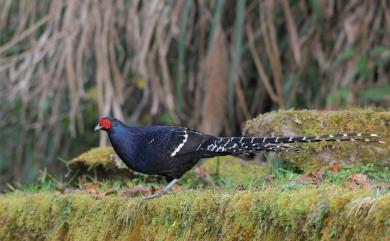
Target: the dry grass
(138, 60)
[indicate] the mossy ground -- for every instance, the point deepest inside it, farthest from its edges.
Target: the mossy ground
(302, 212)
(267, 204)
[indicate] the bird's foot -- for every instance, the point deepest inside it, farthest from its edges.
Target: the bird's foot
(163, 191)
(157, 194)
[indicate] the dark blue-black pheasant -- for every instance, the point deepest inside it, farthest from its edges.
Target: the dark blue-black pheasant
(171, 151)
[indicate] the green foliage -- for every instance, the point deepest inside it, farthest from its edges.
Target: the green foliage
(339, 97)
(362, 66)
(167, 119)
(237, 51)
(44, 182)
(375, 173)
(182, 56)
(347, 54)
(377, 93)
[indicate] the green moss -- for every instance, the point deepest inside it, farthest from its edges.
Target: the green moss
(305, 213)
(310, 122)
(97, 157)
(229, 172)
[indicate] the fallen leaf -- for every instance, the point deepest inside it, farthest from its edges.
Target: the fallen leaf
(109, 192)
(359, 179)
(177, 188)
(106, 193)
(315, 178)
(134, 191)
(335, 167)
(269, 178)
(202, 174)
(382, 186)
(304, 179)
(72, 190)
(92, 189)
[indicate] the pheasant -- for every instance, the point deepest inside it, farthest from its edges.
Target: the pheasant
(171, 151)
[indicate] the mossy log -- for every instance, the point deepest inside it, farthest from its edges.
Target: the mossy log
(100, 162)
(301, 213)
(311, 123)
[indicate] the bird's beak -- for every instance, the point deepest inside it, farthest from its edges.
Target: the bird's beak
(97, 127)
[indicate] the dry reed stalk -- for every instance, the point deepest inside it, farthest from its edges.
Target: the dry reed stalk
(292, 30)
(59, 60)
(271, 47)
(259, 66)
(215, 85)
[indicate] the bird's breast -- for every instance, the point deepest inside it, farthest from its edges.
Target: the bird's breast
(141, 159)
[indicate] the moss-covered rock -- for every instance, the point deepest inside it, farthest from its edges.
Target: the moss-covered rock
(104, 157)
(295, 213)
(310, 122)
(101, 163)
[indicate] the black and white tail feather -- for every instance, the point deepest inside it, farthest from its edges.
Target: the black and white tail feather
(250, 145)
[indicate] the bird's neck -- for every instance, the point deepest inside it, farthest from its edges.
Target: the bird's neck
(123, 141)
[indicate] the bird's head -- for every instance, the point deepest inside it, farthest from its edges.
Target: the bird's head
(105, 124)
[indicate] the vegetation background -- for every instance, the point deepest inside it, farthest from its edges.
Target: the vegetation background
(209, 65)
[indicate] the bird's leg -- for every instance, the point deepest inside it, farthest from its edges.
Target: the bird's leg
(165, 190)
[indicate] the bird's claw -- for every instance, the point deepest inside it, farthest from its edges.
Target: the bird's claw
(154, 195)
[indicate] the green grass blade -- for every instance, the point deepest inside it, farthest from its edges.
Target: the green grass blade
(236, 55)
(181, 61)
(215, 22)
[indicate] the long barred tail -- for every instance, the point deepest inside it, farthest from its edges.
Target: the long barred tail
(245, 145)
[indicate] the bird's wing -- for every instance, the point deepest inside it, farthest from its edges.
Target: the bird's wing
(184, 140)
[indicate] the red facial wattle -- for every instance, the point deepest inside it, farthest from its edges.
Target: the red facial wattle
(105, 123)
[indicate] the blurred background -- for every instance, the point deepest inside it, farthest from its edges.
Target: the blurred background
(208, 65)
